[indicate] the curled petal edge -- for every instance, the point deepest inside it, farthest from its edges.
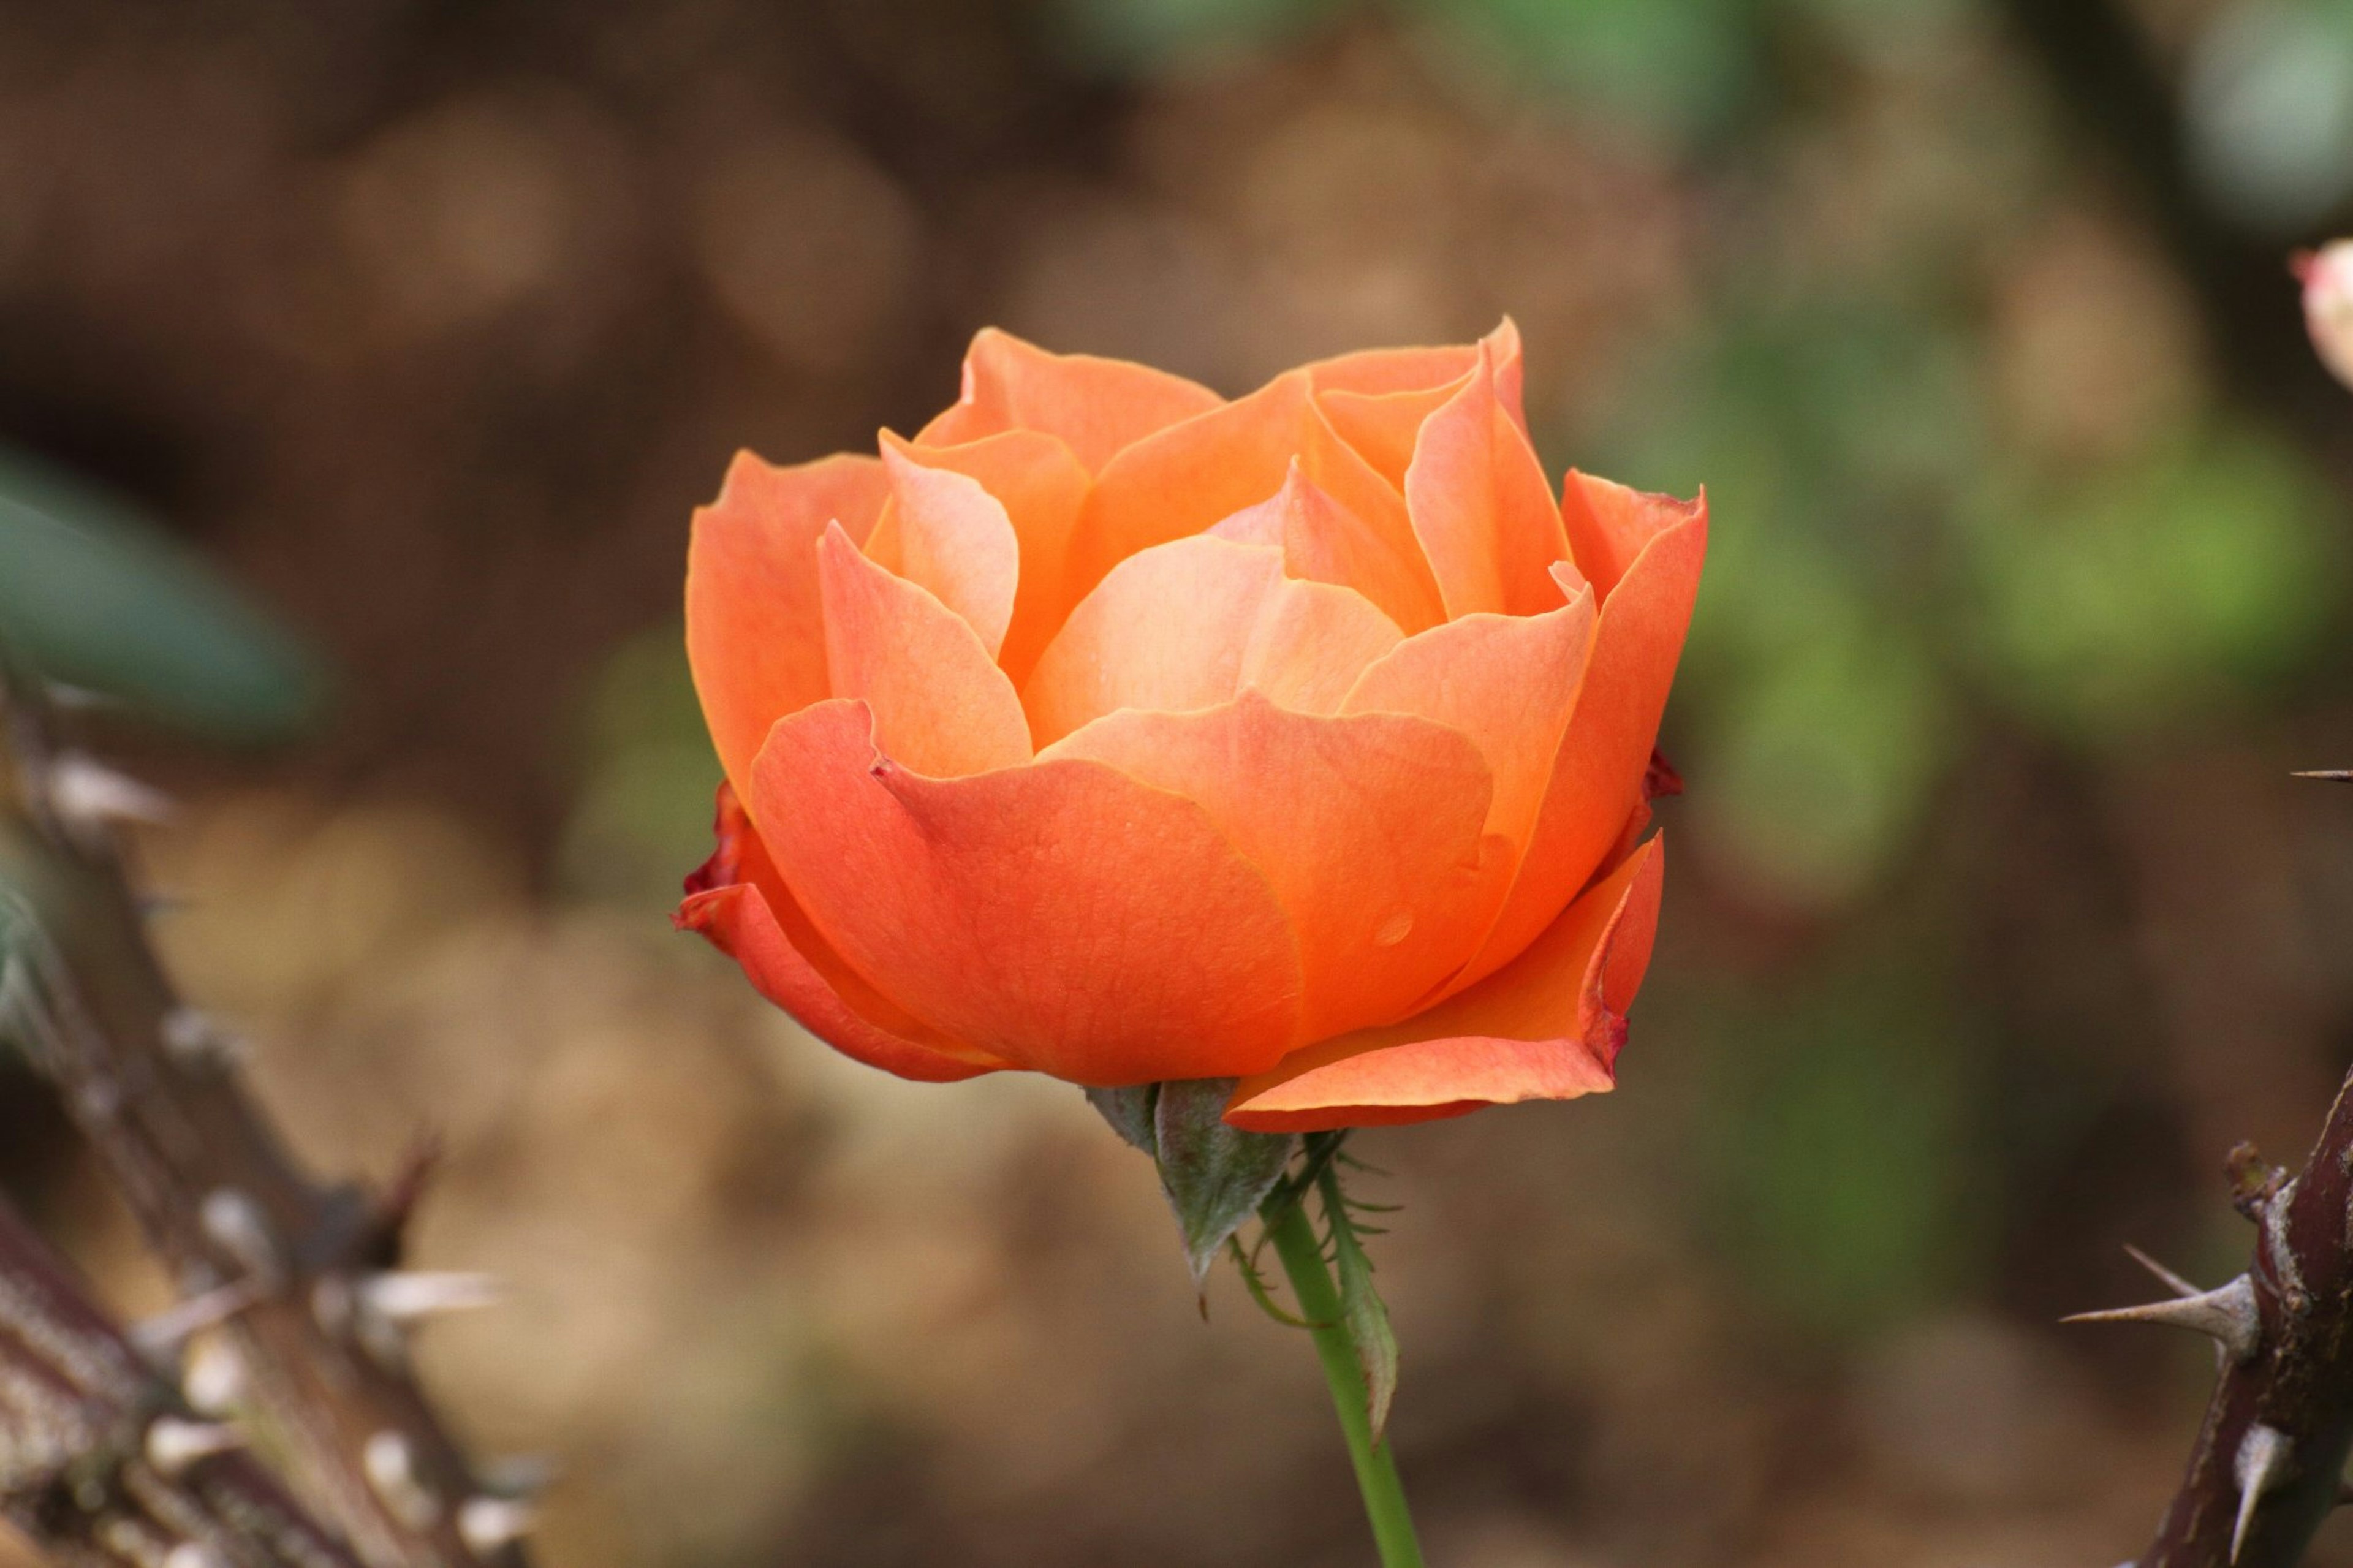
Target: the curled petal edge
(1548, 1026)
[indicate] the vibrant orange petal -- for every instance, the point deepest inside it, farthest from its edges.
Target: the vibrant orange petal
(1194, 475)
(1096, 407)
(1189, 624)
(739, 904)
(1378, 372)
(1368, 828)
(1324, 541)
(1382, 427)
(949, 535)
(755, 627)
(1609, 525)
(1040, 485)
(1481, 507)
(1598, 781)
(1549, 1026)
(940, 705)
(1508, 682)
(1061, 916)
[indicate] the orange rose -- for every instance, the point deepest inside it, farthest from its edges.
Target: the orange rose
(1114, 730)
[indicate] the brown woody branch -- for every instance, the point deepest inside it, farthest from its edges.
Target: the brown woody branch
(2266, 1470)
(102, 1463)
(316, 1347)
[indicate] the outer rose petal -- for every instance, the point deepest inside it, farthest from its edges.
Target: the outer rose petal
(1598, 780)
(1189, 624)
(1040, 485)
(1609, 525)
(940, 705)
(739, 904)
(1324, 541)
(951, 536)
(1481, 507)
(1368, 828)
(1508, 682)
(1549, 1026)
(755, 627)
(1061, 916)
(1096, 407)
(1195, 474)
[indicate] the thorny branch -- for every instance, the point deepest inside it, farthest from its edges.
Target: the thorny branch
(101, 1460)
(310, 1344)
(2266, 1470)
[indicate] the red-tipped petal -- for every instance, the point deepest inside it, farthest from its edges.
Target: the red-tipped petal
(738, 904)
(940, 705)
(755, 623)
(1095, 407)
(1549, 1026)
(1598, 779)
(1368, 828)
(1061, 916)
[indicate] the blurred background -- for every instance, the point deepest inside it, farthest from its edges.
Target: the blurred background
(360, 365)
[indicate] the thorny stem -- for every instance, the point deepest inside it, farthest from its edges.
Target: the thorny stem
(160, 1101)
(1294, 1242)
(2292, 1398)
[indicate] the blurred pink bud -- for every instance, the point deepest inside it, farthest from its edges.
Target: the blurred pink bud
(2327, 275)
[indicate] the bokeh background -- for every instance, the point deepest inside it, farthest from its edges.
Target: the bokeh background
(360, 365)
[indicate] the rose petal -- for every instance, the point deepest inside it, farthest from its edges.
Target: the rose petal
(1508, 682)
(1189, 624)
(1549, 1026)
(1598, 780)
(739, 904)
(940, 705)
(1095, 407)
(1609, 525)
(1040, 485)
(1061, 916)
(1368, 828)
(1324, 541)
(948, 535)
(754, 625)
(1192, 475)
(1382, 427)
(1378, 372)
(1479, 505)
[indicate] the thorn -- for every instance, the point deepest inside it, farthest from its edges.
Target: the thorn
(2261, 1454)
(2334, 775)
(192, 1038)
(87, 793)
(161, 1336)
(2166, 1276)
(214, 1383)
(408, 1296)
(238, 1227)
(518, 1475)
(174, 1443)
(191, 1554)
(2226, 1314)
(487, 1523)
(391, 1467)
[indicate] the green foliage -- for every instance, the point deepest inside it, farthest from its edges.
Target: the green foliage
(2159, 590)
(92, 594)
(1362, 1311)
(1215, 1175)
(641, 817)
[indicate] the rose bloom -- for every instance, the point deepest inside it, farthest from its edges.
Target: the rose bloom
(1110, 730)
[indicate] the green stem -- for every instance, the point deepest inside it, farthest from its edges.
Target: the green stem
(1319, 1302)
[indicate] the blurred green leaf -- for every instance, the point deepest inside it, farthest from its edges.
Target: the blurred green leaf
(1141, 37)
(1680, 65)
(641, 818)
(2155, 592)
(95, 596)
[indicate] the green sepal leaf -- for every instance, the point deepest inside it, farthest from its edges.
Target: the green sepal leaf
(1361, 1310)
(1129, 1111)
(1215, 1175)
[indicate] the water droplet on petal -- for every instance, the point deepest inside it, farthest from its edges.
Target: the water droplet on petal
(1393, 930)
